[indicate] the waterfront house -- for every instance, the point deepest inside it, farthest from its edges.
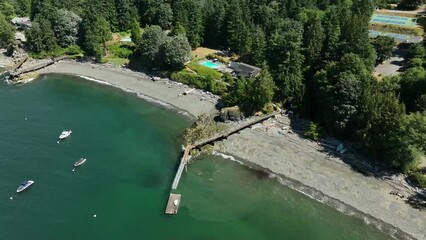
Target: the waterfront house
(21, 22)
(244, 70)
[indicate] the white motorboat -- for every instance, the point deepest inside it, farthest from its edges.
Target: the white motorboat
(80, 162)
(65, 134)
(24, 185)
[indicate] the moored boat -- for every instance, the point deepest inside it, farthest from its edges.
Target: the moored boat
(65, 134)
(24, 185)
(79, 162)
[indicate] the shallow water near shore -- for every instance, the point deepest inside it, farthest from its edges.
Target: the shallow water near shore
(132, 150)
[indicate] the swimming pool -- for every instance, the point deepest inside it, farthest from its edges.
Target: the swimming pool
(210, 64)
(126, 39)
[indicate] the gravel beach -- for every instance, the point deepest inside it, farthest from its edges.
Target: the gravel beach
(165, 92)
(306, 168)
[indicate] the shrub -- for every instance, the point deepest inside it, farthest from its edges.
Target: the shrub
(418, 179)
(190, 79)
(268, 108)
(197, 81)
(120, 50)
(313, 131)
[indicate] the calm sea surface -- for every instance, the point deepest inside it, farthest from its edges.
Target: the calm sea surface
(132, 150)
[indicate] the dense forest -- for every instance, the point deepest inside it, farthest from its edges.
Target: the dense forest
(316, 55)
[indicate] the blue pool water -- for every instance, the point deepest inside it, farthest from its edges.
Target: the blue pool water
(209, 64)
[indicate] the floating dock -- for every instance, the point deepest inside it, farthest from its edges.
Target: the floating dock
(171, 208)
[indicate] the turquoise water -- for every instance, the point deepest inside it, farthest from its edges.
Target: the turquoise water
(132, 150)
(209, 64)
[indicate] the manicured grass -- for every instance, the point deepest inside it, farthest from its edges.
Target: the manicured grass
(203, 71)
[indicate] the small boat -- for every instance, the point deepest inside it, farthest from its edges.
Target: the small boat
(24, 185)
(80, 161)
(65, 134)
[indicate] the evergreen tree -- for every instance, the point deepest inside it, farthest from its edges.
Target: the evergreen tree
(259, 47)
(96, 33)
(313, 38)
(135, 32)
(41, 36)
(188, 13)
(106, 8)
(285, 59)
(126, 12)
(237, 30)
(341, 94)
(214, 22)
(332, 35)
(7, 9)
(7, 32)
(23, 7)
(262, 89)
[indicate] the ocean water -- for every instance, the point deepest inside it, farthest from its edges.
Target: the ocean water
(132, 149)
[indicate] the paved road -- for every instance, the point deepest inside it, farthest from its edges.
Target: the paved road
(391, 66)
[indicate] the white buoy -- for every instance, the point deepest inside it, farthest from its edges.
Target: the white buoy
(94, 215)
(11, 198)
(73, 169)
(26, 119)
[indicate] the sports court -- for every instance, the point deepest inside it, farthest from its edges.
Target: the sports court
(396, 36)
(395, 20)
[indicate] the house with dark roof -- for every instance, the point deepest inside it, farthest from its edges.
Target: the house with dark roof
(244, 70)
(22, 22)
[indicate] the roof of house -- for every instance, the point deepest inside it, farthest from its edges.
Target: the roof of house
(245, 68)
(21, 21)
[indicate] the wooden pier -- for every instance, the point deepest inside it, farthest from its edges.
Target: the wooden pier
(182, 165)
(173, 208)
(236, 129)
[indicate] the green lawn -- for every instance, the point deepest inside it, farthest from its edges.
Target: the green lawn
(203, 70)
